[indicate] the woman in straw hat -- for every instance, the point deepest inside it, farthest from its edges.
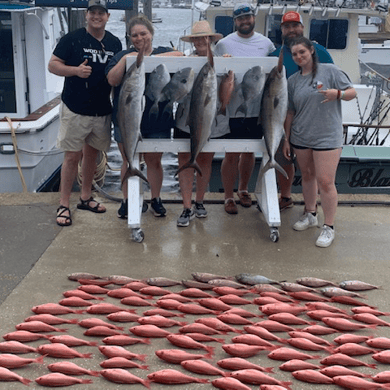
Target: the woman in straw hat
(201, 36)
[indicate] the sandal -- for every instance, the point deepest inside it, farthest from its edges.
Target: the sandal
(60, 214)
(84, 205)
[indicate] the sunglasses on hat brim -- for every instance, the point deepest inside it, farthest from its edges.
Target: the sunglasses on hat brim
(243, 10)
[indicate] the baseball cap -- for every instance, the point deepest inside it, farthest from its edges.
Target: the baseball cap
(292, 16)
(243, 9)
(97, 3)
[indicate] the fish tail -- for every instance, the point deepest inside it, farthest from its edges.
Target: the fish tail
(190, 164)
(40, 359)
(203, 381)
(131, 171)
(74, 320)
(25, 381)
(242, 108)
(86, 355)
(210, 350)
(372, 365)
(286, 385)
(222, 110)
(145, 341)
(222, 341)
(86, 381)
(273, 164)
(144, 367)
(146, 383)
(62, 330)
(268, 369)
(142, 357)
(166, 113)
(93, 343)
(153, 112)
(208, 356)
(94, 373)
(184, 323)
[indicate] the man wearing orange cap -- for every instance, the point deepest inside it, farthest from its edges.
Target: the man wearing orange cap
(292, 27)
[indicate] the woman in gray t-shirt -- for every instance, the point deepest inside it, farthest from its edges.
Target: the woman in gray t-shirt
(314, 130)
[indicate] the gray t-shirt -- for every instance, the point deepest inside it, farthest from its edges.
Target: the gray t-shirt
(316, 124)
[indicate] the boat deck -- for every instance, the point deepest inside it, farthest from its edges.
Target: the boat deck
(37, 256)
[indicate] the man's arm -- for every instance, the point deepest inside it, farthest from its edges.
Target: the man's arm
(57, 66)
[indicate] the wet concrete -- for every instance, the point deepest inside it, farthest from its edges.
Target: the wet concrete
(37, 256)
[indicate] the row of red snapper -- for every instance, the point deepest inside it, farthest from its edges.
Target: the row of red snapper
(223, 309)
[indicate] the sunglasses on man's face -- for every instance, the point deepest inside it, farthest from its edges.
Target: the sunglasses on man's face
(242, 10)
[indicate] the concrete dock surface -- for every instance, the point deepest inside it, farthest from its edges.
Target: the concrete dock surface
(36, 256)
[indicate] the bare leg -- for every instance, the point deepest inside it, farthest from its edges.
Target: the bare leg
(155, 173)
(286, 184)
(309, 182)
(229, 173)
(88, 169)
(204, 160)
(245, 168)
(326, 163)
(68, 175)
(124, 167)
(186, 180)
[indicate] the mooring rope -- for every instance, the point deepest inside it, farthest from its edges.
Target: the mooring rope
(15, 144)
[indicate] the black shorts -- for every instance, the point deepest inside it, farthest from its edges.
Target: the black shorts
(244, 128)
(316, 149)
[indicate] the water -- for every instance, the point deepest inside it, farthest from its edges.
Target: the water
(175, 23)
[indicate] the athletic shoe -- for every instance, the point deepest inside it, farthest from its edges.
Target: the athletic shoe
(307, 220)
(122, 212)
(285, 203)
(326, 237)
(144, 207)
(230, 206)
(157, 207)
(200, 211)
(245, 198)
(186, 216)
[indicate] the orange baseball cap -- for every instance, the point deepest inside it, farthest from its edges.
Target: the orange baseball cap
(291, 16)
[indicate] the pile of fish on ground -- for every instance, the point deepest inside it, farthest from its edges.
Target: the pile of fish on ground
(232, 332)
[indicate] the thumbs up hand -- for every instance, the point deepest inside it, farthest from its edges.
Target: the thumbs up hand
(84, 70)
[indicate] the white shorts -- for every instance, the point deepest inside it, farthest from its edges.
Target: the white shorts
(77, 130)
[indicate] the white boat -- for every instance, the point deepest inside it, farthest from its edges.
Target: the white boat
(334, 27)
(29, 99)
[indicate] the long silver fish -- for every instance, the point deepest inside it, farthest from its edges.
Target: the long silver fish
(130, 109)
(254, 279)
(203, 108)
(251, 86)
(180, 85)
(158, 79)
(273, 113)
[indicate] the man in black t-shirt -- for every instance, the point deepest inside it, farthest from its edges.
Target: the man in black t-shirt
(81, 57)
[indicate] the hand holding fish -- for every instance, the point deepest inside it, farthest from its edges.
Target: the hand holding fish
(329, 94)
(287, 149)
(84, 70)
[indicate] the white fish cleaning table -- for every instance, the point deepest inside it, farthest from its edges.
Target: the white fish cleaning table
(266, 189)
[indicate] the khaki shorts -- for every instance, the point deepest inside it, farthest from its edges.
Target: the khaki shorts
(77, 130)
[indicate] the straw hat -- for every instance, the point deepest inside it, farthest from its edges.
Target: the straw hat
(202, 29)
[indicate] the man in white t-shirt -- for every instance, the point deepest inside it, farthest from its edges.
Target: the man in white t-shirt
(244, 42)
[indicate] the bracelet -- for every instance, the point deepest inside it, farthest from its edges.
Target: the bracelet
(342, 95)
(338, 94)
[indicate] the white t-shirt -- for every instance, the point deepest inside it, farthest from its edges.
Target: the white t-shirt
(255, 46)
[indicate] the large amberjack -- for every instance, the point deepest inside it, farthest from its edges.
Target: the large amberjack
(273, 113)
(202, 112)
(130, 110)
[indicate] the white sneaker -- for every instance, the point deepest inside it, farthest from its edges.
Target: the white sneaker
(307, 220)
(326, 237)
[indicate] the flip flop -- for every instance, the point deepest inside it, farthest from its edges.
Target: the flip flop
(68, 220)
(84, 205)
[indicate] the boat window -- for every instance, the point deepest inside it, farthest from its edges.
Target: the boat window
(273, 29)
(224, 25)
(7, 74)
(330, 33)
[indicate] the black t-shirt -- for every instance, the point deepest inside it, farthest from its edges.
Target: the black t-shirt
(147, 126)
(90, 96)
